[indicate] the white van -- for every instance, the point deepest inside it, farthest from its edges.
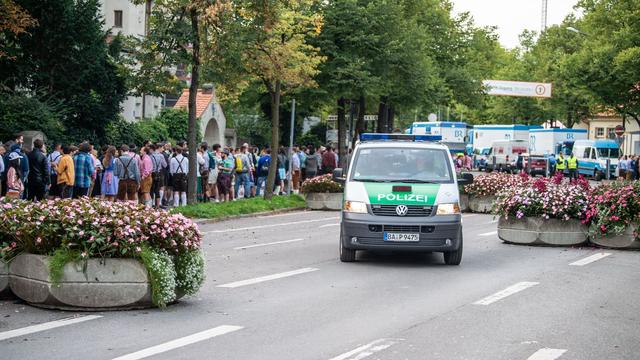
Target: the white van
(593, 156)
(504, 153)
(401, 193)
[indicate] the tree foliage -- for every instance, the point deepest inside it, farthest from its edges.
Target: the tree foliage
(66, 57)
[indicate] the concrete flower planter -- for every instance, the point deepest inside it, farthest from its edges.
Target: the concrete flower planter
(324, 201)
(626, 240)
(539, 231)
(464, 202)
(5, 291)
(481, 204)
(105, 284)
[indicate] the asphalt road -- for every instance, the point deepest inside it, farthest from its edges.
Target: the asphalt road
(275, 289)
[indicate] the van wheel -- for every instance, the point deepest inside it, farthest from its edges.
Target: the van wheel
(454, 257)
(598, 175)
(346, 255)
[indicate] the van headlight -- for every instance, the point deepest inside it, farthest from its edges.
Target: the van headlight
(355, 207)
(448, 209)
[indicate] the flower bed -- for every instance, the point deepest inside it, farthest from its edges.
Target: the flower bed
(546, 212)
(321, 184)
(322, 193)
(75, 231)
(482, 192)
(613, 215)
(491, 184)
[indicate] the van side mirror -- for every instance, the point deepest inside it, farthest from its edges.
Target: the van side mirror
(465, 179)
(338, 176)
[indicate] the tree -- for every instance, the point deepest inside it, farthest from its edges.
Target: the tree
(279, 53)
(14, 20)
(180, 32)
(555, 53)
(66, 57)
(608, 63)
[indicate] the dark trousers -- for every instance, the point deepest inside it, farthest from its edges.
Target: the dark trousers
(573, 174)
(36, 191)
(66, 191)
(79, 192)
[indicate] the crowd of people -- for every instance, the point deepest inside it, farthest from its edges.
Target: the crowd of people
(154, 174)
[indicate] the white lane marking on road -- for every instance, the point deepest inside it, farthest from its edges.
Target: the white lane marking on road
(45, 326)
(489, 233)
(178, 343)
(506, 292)
(547, 354)
(493, 222)
(590, 259)
(328, 225)
(266, 244)
(368, 349)
(267, 278)
(269, 225)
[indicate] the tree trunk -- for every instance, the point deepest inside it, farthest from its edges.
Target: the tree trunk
(382, 115)
(360, 122)
(390, 117)
(569, 120)
(342, 133)
(275, 137)
(193, 93)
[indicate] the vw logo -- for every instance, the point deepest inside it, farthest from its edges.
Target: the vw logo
(402, 210)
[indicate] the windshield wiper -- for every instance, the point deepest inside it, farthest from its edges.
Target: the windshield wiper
(415, 181)
(370, 180)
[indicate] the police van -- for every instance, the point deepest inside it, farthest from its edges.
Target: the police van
(401, 193)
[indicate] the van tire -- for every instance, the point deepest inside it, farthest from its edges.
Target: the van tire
(454, 257)
(346, 255)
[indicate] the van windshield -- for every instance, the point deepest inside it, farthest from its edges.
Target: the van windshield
(402, 165)
(608, 153)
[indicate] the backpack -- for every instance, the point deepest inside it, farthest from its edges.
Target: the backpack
(238, 161)
(264, 168)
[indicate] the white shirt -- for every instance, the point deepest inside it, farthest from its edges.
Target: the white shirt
(179, 165)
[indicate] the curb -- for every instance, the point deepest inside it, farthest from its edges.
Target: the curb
(244, 216)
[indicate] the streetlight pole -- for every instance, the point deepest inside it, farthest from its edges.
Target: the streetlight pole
(293, 117)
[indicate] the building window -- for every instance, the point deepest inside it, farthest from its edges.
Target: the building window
(611, 133)
(599, 132)
(117, 18)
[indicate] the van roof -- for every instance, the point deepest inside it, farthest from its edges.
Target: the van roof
(402, 144)
(605, 144)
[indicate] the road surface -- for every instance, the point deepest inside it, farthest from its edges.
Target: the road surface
(275, 289)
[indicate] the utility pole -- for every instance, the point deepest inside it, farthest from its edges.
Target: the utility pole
(545, 7)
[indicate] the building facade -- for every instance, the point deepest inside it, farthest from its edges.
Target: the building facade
(213, 123)
(603, 125)
(126, 18)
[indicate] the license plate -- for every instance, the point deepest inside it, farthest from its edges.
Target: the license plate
(401, 237)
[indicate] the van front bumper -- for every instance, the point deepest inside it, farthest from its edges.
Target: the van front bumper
(436, 233)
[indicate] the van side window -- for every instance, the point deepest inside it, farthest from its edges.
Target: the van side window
(587, 152)
(593, 154)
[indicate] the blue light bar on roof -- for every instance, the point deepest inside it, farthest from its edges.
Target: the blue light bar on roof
(405, 137)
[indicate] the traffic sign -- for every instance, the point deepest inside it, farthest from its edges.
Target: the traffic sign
(619, 130)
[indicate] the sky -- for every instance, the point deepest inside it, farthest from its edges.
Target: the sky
(513, 16)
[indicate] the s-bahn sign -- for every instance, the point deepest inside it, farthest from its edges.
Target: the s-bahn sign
(518, 88)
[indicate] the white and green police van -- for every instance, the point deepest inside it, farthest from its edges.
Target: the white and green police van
(401, 193)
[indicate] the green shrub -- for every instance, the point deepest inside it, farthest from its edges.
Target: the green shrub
(176, 121)
(21, 112)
